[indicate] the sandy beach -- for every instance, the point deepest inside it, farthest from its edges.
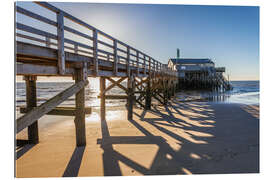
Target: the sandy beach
(180, 138)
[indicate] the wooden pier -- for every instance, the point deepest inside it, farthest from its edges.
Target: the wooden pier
(99, 55)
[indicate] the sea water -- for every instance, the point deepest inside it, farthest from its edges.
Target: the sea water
(243, 92)
(246, 92)
(46, 90)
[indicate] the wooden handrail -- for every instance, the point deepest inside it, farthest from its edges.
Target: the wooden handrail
(142, 60)
(34, 114)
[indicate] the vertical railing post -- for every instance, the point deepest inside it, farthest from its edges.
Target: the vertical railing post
(128, 61)
(149, 65)
(144, 64)
(60, 42)
(48, 42)
(137, 61)
(95, 51)
(76, 49)
(154, 63)
(115, 66)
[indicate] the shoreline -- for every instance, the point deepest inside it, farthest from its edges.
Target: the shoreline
(240, 92)
(188, 96)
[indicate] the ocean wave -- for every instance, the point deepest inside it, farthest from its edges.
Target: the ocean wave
(244, 91)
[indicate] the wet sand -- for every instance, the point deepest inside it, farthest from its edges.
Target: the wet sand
(181, 138)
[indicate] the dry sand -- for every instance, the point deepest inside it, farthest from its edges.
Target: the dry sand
(181, 138)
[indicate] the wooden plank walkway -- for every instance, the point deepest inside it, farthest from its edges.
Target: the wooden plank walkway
(47, 54)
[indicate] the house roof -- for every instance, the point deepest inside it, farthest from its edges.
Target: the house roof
(190, 61)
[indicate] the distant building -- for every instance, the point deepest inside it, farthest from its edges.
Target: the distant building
(188, 65)
(198, 72)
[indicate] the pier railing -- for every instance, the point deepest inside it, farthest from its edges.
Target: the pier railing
(90, 42)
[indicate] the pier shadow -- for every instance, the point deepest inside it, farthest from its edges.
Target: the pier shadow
(252, 110)
(74, 164)
(22, 147)
(110, 157)
(184, 139)
(21, 142)
(186, 144)
(167, 160)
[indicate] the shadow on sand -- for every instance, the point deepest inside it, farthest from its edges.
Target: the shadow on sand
(111, 157)
(194, 132)
(22, 147)
(74, 164)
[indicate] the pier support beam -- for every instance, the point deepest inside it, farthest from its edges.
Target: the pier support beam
(148, 95)
(173, 87)
(130, 93)
(165, 92)
(31, 102)
(169, 88)
(102, 99)
(80, 75)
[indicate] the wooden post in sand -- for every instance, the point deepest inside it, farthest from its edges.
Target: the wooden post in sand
(173, 87)
(130, 93)
(102, 99)
(169, 88)
(31, 102)
(165, 91)
(80, 75)
(148, 94)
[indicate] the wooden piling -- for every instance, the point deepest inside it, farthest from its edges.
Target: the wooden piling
(80, 75)
(148, 94)
(130, 98)
(170, 88)
(173, 87)
(102, 98)
(31, 102)
(165, 92)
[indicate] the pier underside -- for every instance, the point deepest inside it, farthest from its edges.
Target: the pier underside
(33, 61)
(203, 80)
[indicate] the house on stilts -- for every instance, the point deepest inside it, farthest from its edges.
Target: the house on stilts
(199, 73)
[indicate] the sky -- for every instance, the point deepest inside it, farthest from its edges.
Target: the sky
(229, 35)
